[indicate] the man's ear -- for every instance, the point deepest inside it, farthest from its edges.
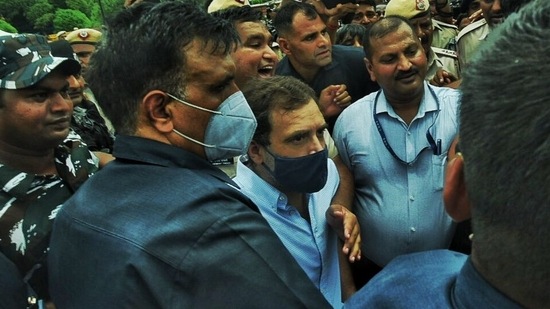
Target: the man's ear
(255, 153)
(455, 195)
(368, 64)
(284, 45)
(158, 110)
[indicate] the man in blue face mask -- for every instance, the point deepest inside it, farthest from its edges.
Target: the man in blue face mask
(162, 227)
(288, 175)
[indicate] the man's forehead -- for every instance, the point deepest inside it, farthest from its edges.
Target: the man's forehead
(365, 7)
(249, 29)
(203, 61)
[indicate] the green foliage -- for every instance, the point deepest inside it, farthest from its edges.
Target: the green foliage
(47, 16)
(67, 19)
(5, 26)
(83, 6)
(44, 23)
(40, 14)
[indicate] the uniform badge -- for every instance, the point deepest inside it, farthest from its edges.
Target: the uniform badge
(420, 5)
(83, 34)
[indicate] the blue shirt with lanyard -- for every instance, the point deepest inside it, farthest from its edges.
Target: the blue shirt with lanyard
(399, 170)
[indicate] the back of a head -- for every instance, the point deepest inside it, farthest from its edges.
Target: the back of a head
(505, 139)
(380, 29)
(143, 49)
(239, 14)
(283, 20)
(277, 92)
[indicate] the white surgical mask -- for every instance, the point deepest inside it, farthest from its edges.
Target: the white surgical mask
(230, 130)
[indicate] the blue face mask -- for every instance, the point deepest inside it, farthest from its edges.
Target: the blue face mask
(230, 130)
(305, 174)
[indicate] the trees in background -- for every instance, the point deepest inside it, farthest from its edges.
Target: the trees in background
(51, 16)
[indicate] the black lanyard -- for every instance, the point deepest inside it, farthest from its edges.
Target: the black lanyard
(436, 147)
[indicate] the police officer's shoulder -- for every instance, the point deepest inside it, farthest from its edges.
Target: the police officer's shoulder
(441, 25)
(442, 52)
(471, 27)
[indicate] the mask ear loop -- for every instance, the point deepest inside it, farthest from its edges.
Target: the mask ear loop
(193, 105)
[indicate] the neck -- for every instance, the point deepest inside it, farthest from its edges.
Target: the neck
(32, 162)
(299, 201)
(406, 108)
(306, 72)
(296, 199)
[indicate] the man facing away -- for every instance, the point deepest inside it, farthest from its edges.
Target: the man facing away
(161, 227)
(42, 162)
(395, 143)
(500, 178)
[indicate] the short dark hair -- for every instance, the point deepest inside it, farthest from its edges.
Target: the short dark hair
(278, 92)
(285, 16)
(380, 29)
(143, 50)
(505, 140)
(352, 31)
(239, 14)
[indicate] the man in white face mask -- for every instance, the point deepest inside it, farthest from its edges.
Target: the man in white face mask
(289, 176)
(162, 227)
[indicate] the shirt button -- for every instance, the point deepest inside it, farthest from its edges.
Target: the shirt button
(413, 229)
(411, 198)
(408, 133)
(281, 198)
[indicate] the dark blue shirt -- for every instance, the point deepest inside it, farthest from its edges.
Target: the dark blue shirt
(162, 228)
(347, 67)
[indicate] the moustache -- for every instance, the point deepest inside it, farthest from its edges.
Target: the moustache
(405, 74)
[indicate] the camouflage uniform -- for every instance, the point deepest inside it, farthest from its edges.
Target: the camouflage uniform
(29, 202)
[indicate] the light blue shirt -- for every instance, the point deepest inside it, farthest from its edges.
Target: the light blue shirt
(314, 245)
(399, 207)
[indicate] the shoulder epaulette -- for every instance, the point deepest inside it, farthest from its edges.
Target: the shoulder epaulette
(442, 24)
(478, 24)
(445, 52)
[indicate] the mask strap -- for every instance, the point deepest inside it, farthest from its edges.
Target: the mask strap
(192, 139)
(193, 105)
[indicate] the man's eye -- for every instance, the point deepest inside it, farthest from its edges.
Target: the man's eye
(65, 93)
(40, 97)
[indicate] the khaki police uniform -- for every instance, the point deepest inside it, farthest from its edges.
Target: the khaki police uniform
(445, 62)
(468, 40)
(444, 35)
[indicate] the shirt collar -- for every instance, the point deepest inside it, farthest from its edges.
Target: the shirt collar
(427, 104)
(473, 291)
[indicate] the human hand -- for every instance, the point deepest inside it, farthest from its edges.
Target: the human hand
(443, 78)
(344, 222)
(333, 99)
(339, 10)
(477, 15)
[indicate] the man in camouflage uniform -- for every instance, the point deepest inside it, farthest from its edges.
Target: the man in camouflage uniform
(42, 162)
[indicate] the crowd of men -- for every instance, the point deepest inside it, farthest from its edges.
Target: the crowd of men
(199, 164)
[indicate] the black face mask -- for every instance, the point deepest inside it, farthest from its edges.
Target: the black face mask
(305, 174)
